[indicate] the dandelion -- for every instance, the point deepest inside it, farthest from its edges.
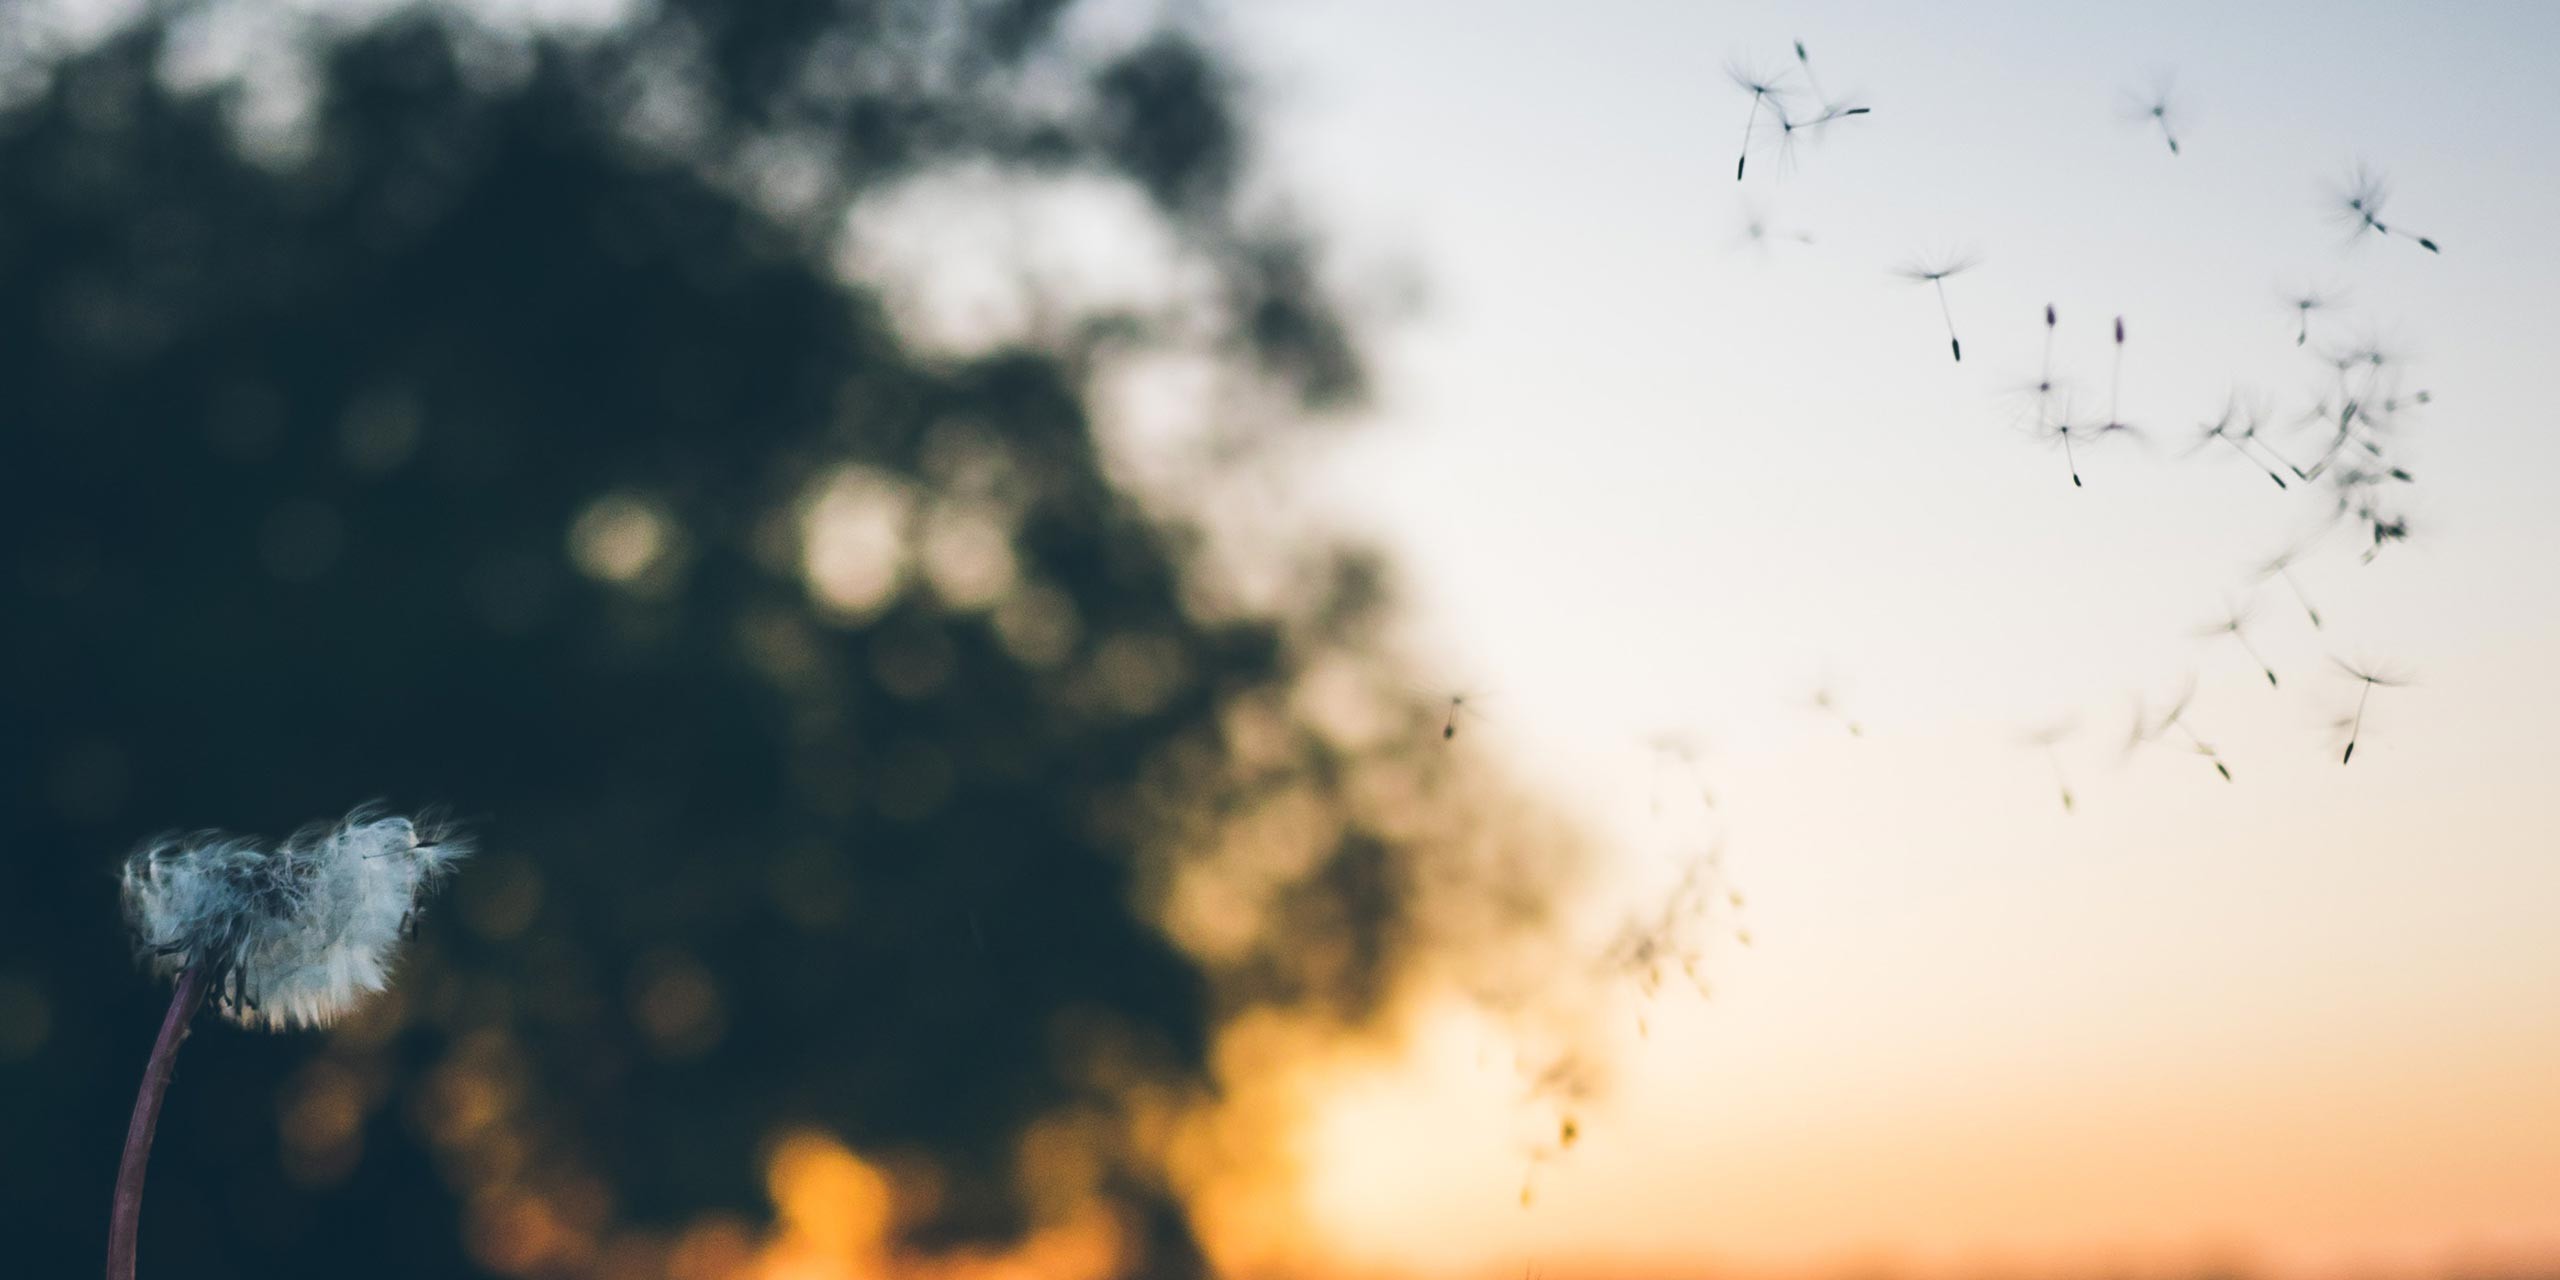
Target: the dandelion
(1934, 272)
(2371, 675)
(2357, 204)
(289, 936)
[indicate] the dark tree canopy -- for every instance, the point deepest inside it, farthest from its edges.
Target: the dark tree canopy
(838, 729)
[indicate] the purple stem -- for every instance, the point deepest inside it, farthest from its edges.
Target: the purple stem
(125, 1225)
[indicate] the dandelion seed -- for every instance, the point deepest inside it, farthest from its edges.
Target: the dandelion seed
(2306, 300)
(2074, 436)
(2386, 530)
(1828, 111)
(1764, 90)
(2357, 204)
(2371, 675)
(2281, 567)
(2115, 382)
(2174, 720)
(2233, 624)
(293, 935)
(1826, 700)
(1683, 752)
(2154, 106)
(2238, 428)
(1456, 705)
(2046, 739)
(1758, 233)
(1934, 272)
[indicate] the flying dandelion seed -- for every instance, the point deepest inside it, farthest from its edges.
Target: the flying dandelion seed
(1805, 60)
(1674, 750)
(2357, 204)
(2046, 739)
(1759, 233)
(1828, 110)
(293, 935)
(1765, 90)
(1665, 936)
(1826, 699)
(2304, 301)
(1456, 706)
(2238, 428)
(2154, 107)
(2281, 568)
(1934, 272)
(1460, 704)
(2174, 720)
(2044, 379)
(2115, 384)
(2073, 437)
(2370, 675)
(2233, 623)
(2386, 531)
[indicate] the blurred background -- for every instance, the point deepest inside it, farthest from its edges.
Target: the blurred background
(1099, 638)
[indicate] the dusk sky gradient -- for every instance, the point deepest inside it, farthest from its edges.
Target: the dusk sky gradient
(1641, 476)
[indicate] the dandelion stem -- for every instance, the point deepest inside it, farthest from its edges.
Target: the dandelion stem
(126, 1221)
(2357, 731)
(2252, 651)
(1953, 343)
(2302, 596)
(1747, 122)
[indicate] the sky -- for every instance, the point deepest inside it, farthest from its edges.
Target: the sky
(1640, 476)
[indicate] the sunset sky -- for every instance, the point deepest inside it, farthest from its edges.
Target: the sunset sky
(1638, 474)
(1642, 477)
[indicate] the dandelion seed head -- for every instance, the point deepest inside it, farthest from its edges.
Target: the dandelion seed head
(1931, 268)
(295, 934)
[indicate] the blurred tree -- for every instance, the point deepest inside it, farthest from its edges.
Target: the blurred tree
(433, 409)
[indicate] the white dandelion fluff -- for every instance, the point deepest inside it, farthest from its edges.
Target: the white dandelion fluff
(287, 936)
(294, 935)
